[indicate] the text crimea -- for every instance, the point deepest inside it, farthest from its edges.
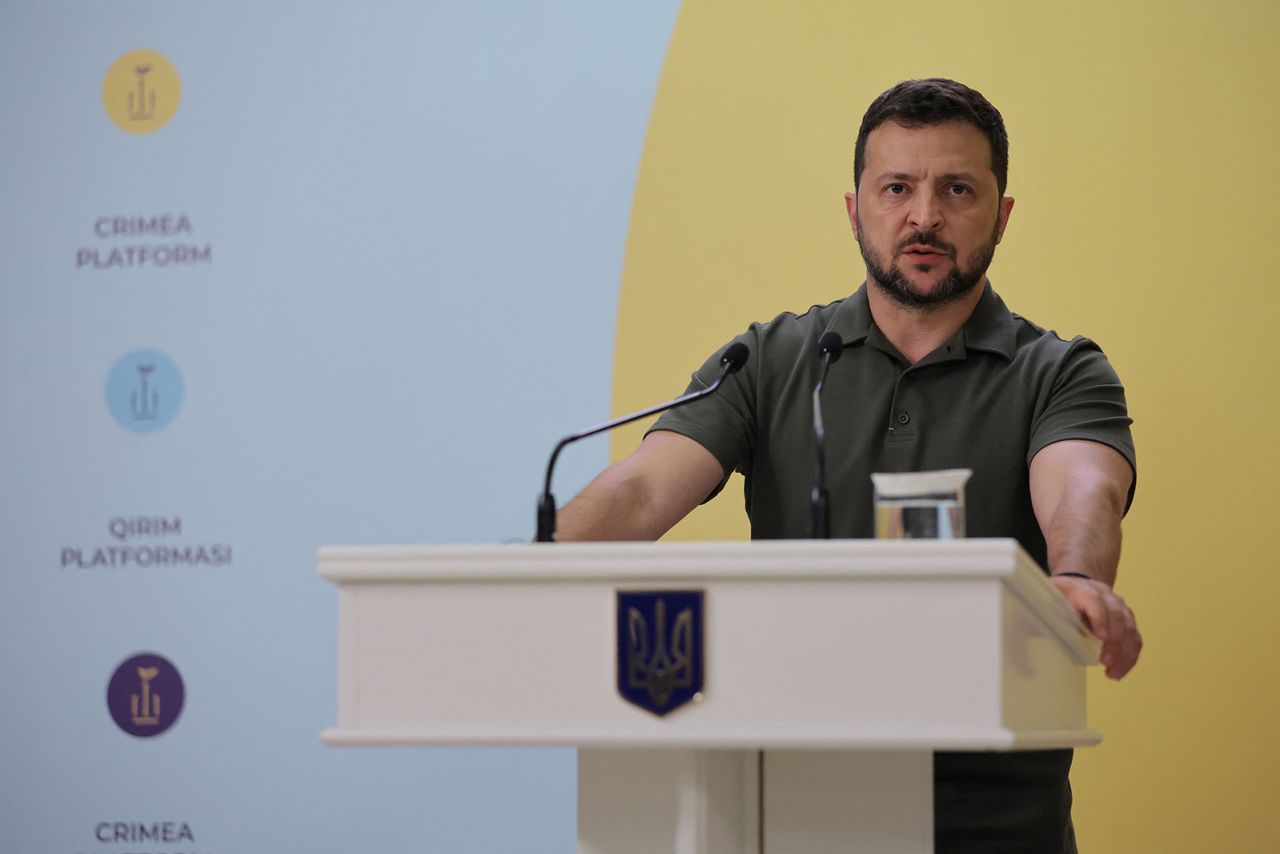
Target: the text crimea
(157, 831)
(167, 243)
(168, 832)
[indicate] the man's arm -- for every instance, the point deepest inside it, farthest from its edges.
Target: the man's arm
(1079, 490)
(641, 497)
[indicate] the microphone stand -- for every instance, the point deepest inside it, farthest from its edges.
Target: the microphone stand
(829, 348)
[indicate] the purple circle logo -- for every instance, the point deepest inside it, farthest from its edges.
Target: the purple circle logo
(145, 695)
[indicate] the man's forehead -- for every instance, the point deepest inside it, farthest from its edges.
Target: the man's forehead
(953, 148)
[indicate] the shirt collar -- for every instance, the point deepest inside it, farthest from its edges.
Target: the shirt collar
(991, 328)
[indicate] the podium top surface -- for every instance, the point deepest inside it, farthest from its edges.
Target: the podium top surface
(710, 560)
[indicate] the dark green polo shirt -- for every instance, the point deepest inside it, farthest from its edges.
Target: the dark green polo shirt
(988, 399)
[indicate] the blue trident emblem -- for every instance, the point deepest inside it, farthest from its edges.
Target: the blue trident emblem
(660, 648)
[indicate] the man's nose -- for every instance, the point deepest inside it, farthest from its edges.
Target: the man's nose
(926, 211)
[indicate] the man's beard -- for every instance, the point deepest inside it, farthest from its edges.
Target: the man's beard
(959, 282)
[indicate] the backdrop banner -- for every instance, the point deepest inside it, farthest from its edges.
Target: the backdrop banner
(277, 276)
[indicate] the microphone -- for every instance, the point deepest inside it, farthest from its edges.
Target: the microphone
(829, 349)
(734, 357)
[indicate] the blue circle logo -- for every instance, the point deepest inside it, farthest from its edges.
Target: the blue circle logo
(144, 391)
(145, 695)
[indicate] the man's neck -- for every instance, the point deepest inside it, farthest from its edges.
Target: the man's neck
(917, 332)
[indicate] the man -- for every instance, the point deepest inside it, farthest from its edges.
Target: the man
(935, 373)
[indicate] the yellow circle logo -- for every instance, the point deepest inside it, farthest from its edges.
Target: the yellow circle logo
(141, 91)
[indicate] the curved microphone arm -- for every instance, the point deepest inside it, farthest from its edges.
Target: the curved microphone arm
(733, 359)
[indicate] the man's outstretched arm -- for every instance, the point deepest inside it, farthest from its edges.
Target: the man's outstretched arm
(1079, 490)
(643, 496)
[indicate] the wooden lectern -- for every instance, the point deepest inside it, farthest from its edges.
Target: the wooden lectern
(833, 670)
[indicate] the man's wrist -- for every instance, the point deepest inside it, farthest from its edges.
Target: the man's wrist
(1072, 575)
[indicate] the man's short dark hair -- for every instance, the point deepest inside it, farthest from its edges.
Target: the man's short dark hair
(935, 101)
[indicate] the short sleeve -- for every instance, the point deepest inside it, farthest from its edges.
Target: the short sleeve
(1085, 400)
(723, 423)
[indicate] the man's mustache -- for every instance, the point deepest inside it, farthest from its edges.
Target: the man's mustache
(921, 239)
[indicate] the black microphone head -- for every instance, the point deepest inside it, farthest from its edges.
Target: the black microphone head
(735, 356)
(831, 345)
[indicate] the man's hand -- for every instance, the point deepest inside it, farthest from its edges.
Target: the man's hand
(1108, 617)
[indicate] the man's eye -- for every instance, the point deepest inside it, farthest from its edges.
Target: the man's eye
(959, 189)
(896, 189)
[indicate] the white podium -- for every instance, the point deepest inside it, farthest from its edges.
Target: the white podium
(833, 670)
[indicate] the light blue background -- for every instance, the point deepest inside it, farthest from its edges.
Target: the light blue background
(417, 214)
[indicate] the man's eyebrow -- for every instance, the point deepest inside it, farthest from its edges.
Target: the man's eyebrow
(907, 176)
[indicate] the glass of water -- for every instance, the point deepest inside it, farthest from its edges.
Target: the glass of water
(922, 505)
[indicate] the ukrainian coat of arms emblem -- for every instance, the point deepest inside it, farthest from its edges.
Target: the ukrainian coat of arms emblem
(660, 649)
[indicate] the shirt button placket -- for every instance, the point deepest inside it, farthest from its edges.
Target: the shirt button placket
(902, 418)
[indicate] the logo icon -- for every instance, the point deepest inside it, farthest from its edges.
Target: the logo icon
(145, 695)
(660, 650)
(144, 391)
(141, 91)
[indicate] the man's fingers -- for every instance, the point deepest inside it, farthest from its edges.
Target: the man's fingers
(1128, 648)
(1121, 648)
(1109, 618)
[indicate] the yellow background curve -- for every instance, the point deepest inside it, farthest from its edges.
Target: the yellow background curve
(1145, 158)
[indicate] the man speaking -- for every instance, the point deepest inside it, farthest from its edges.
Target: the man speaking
(935, 373)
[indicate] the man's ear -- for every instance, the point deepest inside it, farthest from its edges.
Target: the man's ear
(851, 205)
(1006, 208)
